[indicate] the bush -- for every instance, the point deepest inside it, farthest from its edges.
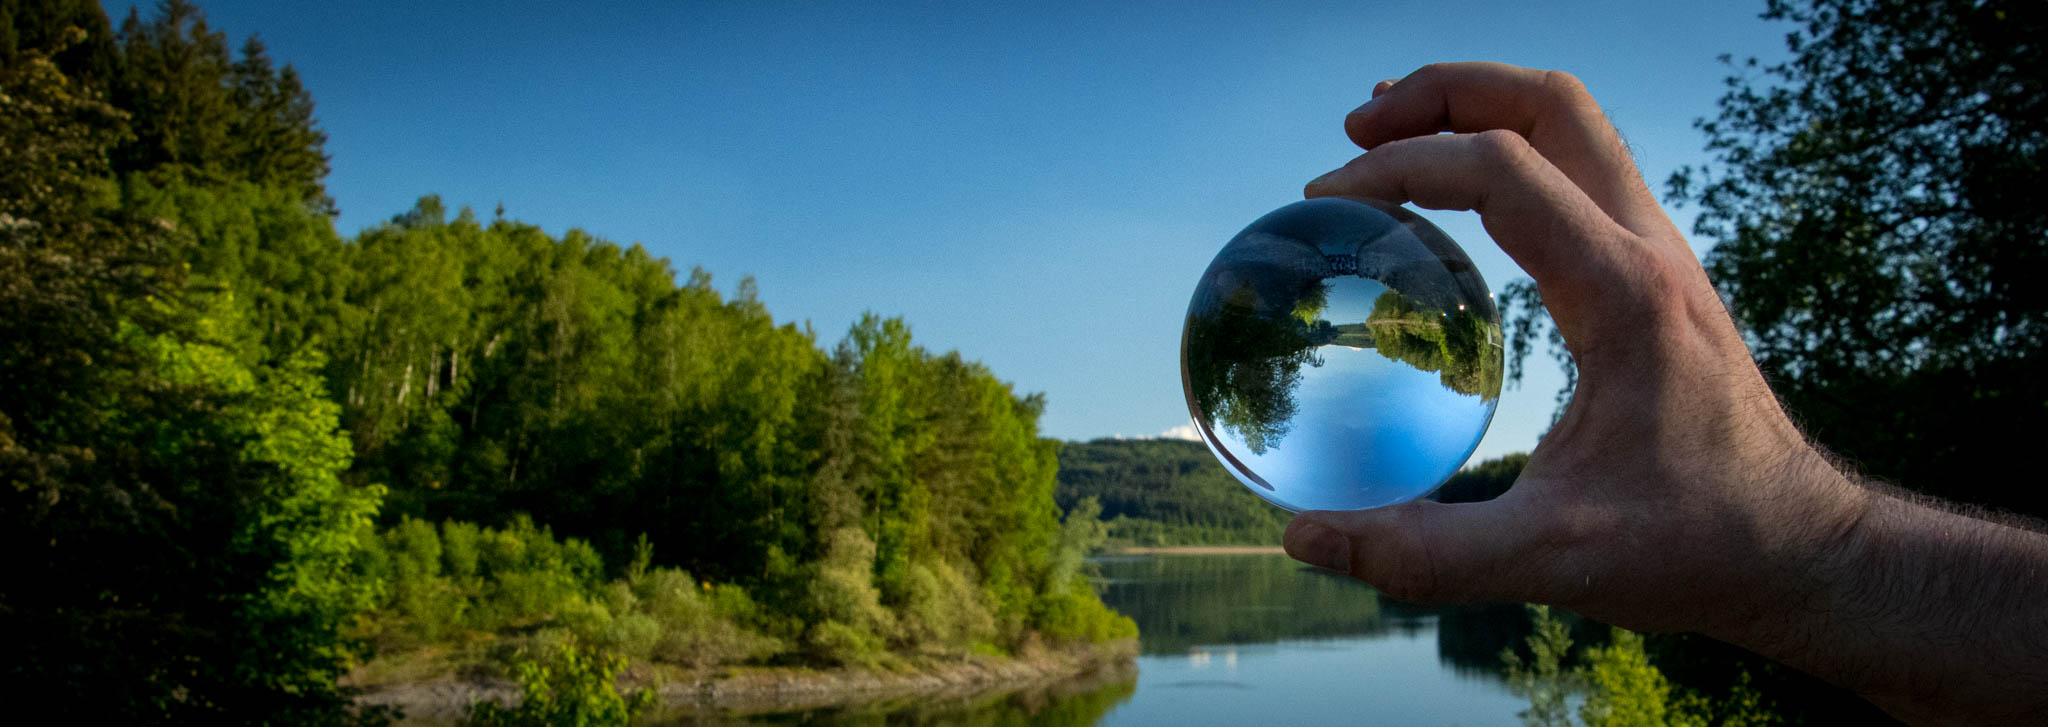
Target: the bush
(665, 616)
(567, 685)
(1077, 615)
(838, 643)
(1621, 688)
(944, 608)
(460, 577)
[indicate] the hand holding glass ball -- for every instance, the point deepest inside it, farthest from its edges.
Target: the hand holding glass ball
(1341, 354)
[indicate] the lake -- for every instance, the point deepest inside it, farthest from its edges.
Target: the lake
(1259, 639)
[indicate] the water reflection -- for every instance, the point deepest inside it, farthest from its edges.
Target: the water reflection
(1261, 638)
(1073, 703)
(1252, 639)
(1221, 605)
(1275, 349)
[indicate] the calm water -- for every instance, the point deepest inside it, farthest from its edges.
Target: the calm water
(1260, 639)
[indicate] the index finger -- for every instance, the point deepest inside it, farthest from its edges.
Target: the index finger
(1550, 109)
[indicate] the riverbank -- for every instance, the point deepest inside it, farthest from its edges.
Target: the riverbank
(743, 691)
(1204, 550)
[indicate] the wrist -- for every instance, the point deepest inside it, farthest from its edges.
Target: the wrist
(1932, 615)
(1806, 569)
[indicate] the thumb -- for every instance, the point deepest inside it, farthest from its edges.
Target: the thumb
(1424, 552)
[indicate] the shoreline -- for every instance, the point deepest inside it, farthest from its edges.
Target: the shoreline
(744, 691)
(1202, 550)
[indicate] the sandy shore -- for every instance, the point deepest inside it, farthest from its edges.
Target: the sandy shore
(1206, 550)
(744, 691)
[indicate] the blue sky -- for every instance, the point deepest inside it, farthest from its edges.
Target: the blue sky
(1037, 185)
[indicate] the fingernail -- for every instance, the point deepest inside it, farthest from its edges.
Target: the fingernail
(1321, 185)
(1361, 108)
(1316, 544)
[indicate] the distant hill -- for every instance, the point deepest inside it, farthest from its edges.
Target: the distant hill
(1157, 492)
(1165, 492)
(1483, 481)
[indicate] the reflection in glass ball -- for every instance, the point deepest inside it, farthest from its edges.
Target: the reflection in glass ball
(1341, 354)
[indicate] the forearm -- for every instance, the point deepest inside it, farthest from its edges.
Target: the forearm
(1936, 617)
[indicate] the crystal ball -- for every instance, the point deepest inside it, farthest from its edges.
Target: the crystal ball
(1341, 354)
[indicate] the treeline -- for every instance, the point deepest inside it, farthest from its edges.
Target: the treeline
(1158, 492)
(1155, 492)
(240, 447)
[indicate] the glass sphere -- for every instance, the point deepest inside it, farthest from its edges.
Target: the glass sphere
(1341, 354)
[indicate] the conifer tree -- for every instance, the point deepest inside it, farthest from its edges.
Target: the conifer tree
(172, 73)
(277, 143)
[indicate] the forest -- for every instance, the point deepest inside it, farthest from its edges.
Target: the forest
(1165, 492)
(248, 453)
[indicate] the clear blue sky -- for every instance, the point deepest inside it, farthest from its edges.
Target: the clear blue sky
(1037, 185)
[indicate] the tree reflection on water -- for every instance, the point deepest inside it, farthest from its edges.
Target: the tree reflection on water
(1254, 327)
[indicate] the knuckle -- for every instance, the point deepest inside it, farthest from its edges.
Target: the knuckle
(1665, 287)
(1502, 148)
(1430, 71)
(1565, 88)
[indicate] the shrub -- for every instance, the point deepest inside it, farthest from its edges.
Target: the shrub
(665, 616)
(1077, 615)
(944, 607)
(462, 577)
(567, 685)
(835, 642)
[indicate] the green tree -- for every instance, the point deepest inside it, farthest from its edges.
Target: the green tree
(1878, 233)
(277, 144)
(1617, 684)
(40, 27)
(279, 260)
(201, 114)
(180, 540)
(1164, 492)
(172, 73)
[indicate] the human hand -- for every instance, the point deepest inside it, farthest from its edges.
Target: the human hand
(1674, 494)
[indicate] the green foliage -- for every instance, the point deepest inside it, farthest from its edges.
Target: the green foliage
(460, 583)
(72, 34)
(1618, 685)
(232, 557)
(1070, 610)
(183, 331)
(1076, 614)
(1243, 356)
(1164, 492)
(199, 113)
(1184, 602)
(1623, 689)
(279, 261)
(1461, 345)
(492, 369)
(1877, 231)
(665, 616)
(569, 685)
(177, 509)
(1542, 677)
(460, 578)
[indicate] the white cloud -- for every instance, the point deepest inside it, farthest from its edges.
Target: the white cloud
(1184, 431)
